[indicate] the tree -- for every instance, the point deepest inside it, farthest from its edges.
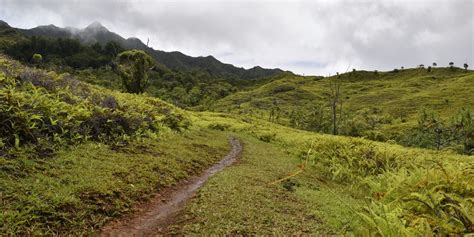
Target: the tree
(438, 133)
(97, 47)
(466, 66)
(112, 49)
(334, 99)
(433, 131)
(195, 96)
(463, 123)
(37, 58)
(451, 65)
(275, 111)
(435, 64)
(429, 68)
(421, 66)
(133, 67)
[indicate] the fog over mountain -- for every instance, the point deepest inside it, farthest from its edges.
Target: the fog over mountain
(311, 37)
(97, 33)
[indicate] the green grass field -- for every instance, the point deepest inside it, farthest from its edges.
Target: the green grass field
(241, 201)
(83, 187)
(347, 185)
(74, 156)
(384, 106)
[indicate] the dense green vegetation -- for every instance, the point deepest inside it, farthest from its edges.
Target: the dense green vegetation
(196, 90)
(65, 52)
(379, 106)
(176, 61)
(133, 67)
(76, 151)
(79, 189)
(8, 36)
(73, 155)
(43, 110)
(303, 183)
(191, 84)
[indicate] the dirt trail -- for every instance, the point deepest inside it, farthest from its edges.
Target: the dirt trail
(155, 215)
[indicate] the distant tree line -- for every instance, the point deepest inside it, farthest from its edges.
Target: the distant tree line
(64, 52)
(101, 64)
(434, 64)
(191, 88)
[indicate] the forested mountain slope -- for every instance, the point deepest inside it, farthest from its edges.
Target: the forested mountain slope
(96, 33)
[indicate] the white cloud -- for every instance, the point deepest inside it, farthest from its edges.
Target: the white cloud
(311, 37)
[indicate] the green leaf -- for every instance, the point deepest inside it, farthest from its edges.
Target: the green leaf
(17, 141)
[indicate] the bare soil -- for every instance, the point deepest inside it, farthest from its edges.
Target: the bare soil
(157, 214)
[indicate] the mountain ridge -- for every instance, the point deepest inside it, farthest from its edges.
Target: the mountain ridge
(175, 60)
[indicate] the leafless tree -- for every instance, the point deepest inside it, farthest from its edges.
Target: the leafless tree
(335, 102)
(334, 99)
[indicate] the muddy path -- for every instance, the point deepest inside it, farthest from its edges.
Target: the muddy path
(155, 215)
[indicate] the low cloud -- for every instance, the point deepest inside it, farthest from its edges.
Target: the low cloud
(310, 37)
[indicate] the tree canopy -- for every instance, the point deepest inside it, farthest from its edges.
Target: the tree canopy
(133, 67)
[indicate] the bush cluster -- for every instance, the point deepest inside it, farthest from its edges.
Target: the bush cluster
(41, 110)
(408, 192)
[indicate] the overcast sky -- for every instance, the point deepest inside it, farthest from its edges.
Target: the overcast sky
(306, 37)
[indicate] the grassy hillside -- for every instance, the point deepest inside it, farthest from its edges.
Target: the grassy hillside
(73, 155)
(413, 107)
(42, 110)
(78, 190)
(294, 182)
(380, 106)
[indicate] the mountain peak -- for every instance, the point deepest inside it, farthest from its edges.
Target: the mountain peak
(97, 33)
(134, 39)
(210, 57)
(4, 24)
(96, 26)
(48, 27)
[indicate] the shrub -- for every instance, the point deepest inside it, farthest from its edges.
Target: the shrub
(219, 126)
(43, 110)
(282, 88)
(37, 58)
(349, 161)
(175, 121)
(267, 137)
(109, 102)
(133, 67)
(408, 192)
(431, 199)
